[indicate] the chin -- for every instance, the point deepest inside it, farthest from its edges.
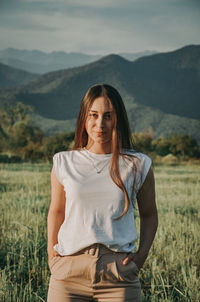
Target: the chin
(102, 141)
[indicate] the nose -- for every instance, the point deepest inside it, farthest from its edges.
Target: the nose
(100, 122)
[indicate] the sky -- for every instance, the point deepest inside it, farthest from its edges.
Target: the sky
(99, 26)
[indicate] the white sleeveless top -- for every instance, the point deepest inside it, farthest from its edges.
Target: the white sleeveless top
(93, 200)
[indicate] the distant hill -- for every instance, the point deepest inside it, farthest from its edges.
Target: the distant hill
(168, 81)
(12, 77)
(160, 91)
(40, 62)
(141, 118)
(137, 55)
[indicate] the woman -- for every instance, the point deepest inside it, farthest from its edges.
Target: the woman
(91, 229)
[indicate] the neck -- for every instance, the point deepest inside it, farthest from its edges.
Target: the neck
(99, 148)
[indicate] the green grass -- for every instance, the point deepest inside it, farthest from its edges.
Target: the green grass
(171, 271)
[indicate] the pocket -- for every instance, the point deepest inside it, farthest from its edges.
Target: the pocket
(71, 267)
(79, 267)
(53, 261)
(110, 268)
(136, 266)
(128, 272)
(134, 263)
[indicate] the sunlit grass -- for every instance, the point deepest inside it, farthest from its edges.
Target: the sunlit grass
(171, 272)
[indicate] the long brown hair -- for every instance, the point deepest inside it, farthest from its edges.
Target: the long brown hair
(121, 136)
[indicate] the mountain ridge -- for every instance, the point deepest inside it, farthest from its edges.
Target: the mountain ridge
(11, 77)
(40, 62)
(157, 87)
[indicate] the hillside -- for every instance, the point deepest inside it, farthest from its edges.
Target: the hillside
(160, 91)
(40, 62)
(58, 94)
(136, 55)
(168, 81)
(12, 77)
(141, 118)
(35, 61)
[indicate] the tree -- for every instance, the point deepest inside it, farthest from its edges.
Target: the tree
(13, 114)
(15, 129)
(143, 141)
(56, 143)
(161, 146)
(183, 145)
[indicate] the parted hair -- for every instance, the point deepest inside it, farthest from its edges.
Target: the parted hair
(121, 136)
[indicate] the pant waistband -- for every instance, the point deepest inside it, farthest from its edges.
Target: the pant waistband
(95, 249)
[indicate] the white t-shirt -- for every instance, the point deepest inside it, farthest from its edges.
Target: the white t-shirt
(93, 200)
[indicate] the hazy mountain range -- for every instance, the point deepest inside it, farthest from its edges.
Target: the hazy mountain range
(36, 61)
(160, 91)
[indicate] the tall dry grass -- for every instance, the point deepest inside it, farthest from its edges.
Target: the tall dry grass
(171, 272)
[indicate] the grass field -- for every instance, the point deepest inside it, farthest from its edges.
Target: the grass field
(172, 270)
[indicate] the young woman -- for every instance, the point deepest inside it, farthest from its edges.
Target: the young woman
(91, 229)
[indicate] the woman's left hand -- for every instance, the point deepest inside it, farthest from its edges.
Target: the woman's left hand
(135, 257)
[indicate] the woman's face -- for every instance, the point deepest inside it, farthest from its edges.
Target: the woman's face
(100, 121)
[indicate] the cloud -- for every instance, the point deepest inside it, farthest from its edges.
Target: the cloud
(25, 23)
(99, 26)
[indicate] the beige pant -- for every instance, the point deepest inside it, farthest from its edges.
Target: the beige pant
(93, 274)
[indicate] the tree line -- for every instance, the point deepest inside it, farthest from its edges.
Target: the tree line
(20, 141)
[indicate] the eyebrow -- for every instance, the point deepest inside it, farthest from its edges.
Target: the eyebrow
(104, 112)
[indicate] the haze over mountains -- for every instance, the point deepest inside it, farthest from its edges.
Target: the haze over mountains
(36, 61)
(160, 91)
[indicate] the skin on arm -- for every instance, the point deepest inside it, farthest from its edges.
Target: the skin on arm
(148, 220)
(56, 214)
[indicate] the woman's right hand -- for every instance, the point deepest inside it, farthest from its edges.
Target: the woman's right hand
(51, 254)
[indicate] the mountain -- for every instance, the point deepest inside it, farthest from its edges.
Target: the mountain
(168, 81)
(141, 118)
(160, 91)
(12, 77)
(137, 55)
(58, 94)
(40, 62)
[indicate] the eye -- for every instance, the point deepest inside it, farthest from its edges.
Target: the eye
(94, 115)
(107, 116)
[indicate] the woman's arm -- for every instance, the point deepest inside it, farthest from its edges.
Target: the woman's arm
(148, 219)
(56, 214)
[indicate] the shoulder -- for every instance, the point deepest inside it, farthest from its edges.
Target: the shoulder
(62, 161)
(142, 162)
(142, 157)
(65, 154)
(60, 154)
